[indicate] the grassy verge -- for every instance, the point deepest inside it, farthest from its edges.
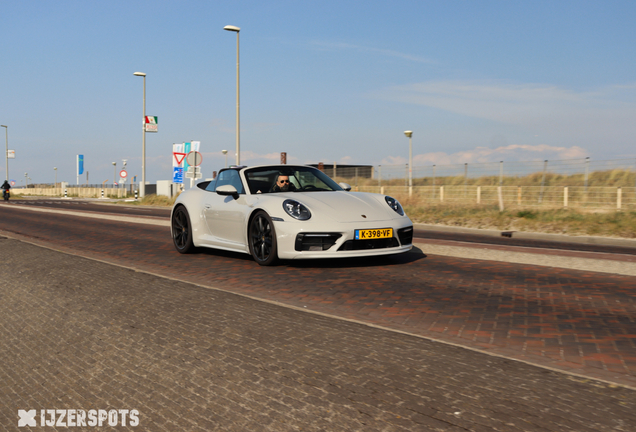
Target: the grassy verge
(151, 200)
(555, 221)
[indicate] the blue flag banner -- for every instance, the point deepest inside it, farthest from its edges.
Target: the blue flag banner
(80, 164)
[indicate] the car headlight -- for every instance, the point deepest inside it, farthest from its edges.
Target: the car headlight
(296, 210)
(395, 205)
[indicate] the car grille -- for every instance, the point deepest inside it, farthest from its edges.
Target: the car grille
(406, 235)
(369, 244)
(315, 241)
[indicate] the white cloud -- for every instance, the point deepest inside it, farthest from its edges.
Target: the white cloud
(249, 158)
(513, 152)
(333, 46)
(603, 116)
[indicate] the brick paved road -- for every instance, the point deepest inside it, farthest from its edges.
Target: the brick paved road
(565, 319)
(79, 334)
(561, 318)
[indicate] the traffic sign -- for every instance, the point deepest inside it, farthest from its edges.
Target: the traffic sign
(177, 175)
(194, 158)
(123, 174)
(194, 172)
(179, 157)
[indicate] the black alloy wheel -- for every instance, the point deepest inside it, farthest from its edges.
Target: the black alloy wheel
(262, 239)
(182, 231)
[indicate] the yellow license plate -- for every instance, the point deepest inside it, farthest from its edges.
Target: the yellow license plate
(374, 234)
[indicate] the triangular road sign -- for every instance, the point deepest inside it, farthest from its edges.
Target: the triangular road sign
(179, 157)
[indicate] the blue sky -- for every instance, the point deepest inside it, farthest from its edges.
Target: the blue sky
(322, 80)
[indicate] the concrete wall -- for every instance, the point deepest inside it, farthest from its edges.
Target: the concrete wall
(72, 192)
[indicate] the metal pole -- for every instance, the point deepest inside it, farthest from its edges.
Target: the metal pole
(142, 189)
(6, 155)
(238, 106)
(410, 161)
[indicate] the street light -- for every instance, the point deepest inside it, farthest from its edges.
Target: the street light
(6, 155)
(114, 171)
(55, 184)
(238, 133)
(409, 134)
(225, 153)
(142, 188)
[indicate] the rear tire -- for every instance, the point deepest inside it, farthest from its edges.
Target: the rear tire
(262, 239)
(182, 231)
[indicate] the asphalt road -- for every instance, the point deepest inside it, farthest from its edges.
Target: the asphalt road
(136, 210)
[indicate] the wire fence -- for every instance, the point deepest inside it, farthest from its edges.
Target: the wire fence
(574, 183)
(571, 172)
(579, 183)
(594, 197)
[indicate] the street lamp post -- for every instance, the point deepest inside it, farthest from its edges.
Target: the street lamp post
(55, 184)
(114, 172)
(238, 129)
(142, 188)
(409, 134)
(6, 155)
(225, 153)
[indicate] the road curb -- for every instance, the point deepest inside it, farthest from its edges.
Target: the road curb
(557, 238)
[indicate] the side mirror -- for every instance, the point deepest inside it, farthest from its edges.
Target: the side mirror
(345, 186)
(227, 190)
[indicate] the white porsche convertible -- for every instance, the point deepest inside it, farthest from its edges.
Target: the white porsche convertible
(287, 212)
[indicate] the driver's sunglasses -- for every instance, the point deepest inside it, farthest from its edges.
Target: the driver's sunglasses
(283, 181)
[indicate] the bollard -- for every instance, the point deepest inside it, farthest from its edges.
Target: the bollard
(65, 193)
(102, 193)
(135, 194)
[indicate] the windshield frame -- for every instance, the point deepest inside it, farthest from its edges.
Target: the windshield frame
(264, 183)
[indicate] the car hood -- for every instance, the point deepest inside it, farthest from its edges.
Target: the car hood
(345, 206)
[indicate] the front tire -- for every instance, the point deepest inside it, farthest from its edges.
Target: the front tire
(182, 231)
(262, 239)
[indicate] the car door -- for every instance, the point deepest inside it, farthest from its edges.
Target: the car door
(225, 215)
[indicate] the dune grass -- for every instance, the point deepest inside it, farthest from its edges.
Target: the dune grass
(151, 200)
(555, 221)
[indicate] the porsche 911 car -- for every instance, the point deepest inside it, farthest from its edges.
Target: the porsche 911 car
(287, 212)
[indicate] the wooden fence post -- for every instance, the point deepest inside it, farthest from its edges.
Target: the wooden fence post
(441, 194)
(500, 198)
(619, 198)
(565, 196)
(478, 194)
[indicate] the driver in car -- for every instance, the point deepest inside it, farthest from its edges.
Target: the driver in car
(283, 184)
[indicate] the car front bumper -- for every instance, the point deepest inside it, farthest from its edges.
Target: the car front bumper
(287, 232)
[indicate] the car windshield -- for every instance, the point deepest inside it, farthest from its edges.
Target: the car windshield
(289, 179)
